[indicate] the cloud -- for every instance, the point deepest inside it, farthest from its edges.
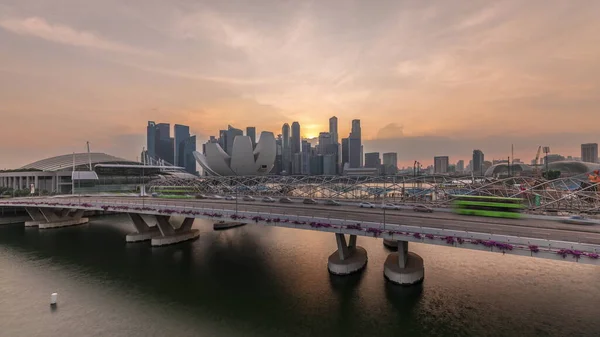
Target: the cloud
(39, 27)
(391, 130)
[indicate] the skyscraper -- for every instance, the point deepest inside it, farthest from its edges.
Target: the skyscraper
(182, 133)
(589, 152)
(477, 164)
(286, 155)
(390, 163)
(188, 161)
(230, 137)
(333, 129)
(460, 166)
(164, 144)
(251, 132)
(151, 139)
(355, 145)
(278, 167)
(325, 140)
(372, 160)
(305, 155)
(440, 164)
(345, 151)
(295, 138)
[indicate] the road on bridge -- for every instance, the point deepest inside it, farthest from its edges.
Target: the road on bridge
(532, 228)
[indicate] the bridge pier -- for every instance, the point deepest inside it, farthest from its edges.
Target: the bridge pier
(143, 231)
(46, 218)
(174, 230)
(404, 267)
(348, 258)
(390, 244)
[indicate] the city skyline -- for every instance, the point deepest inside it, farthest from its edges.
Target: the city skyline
(424, 78)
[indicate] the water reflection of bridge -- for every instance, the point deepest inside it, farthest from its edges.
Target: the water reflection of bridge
(573, 193)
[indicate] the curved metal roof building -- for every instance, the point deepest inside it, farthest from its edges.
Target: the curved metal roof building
(65, 162)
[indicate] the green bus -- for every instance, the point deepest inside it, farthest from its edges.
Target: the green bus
(496, 207)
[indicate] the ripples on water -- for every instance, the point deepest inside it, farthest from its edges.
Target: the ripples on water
(263, 281)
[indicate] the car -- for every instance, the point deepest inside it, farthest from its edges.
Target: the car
(579, 220)
(309, 201)
(248, 198)
(201, 196)
(268, 199)
(332, 203)
(391, 206)
(230, 197)
(286, 200)
(422, 209)
(217, 197)
(366, 205)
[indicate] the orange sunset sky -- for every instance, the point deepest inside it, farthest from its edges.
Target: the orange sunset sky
(425, 77)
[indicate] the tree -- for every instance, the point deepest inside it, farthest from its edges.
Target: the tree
(551, 174)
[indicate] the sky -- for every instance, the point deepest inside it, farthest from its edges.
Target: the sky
(424, 77)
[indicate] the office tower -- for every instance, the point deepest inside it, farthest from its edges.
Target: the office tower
(182, 133)
(477, 163)
(278, 167)
(330, 164)
(460, 166)
(164, 145)
(305, 155)
(354, 152)
(355, 145)
(345, 151)
(390, 163)
(296, 163)
(356, 130)
(151, 139)
(188, 161)
(372, 160)
(286, 155)
(295, 143)
(440, 164)
(325, 140)
(230, 135)
(589, 152)
(316, 164)
(222, 139)
(251, 132)
(333, 129)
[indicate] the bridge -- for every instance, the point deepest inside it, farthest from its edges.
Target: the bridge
(575, 194)
(163, 221)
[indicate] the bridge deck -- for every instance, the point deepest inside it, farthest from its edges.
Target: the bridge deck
(531, 228)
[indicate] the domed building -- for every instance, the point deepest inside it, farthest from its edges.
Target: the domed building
(502, 169)
(570, 167)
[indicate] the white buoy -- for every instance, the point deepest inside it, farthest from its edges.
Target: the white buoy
(53, 298)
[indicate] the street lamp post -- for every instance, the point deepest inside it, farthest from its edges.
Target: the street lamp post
(383, 202)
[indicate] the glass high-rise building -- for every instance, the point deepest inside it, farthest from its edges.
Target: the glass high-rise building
(589, 153)
(440, 164)
(182, 133)
(286, 155)
(390, 163)
(477, 164)
(295, 138)
(333, 129)
(251, 132)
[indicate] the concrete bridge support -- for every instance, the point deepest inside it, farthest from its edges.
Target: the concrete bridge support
(143, 230)
(390, 244)
(174, 230)
(46, 218)
(404, 267)
(348, 258)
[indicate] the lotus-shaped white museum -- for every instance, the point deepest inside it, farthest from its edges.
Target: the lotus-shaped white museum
(243, 161)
